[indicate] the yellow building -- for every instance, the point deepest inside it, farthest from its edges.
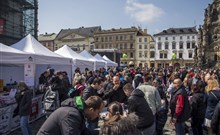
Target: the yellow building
(144, 50)
(125, 40)
(78, 39)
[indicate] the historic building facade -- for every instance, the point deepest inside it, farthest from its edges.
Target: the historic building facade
(126, 40)
(145, 50)
(47, 40)
(78, 39)
(208, 52)
(175, 46)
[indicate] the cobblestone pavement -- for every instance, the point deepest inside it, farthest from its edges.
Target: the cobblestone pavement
(35, 126)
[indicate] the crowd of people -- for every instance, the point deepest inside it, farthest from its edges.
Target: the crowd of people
(137, 101)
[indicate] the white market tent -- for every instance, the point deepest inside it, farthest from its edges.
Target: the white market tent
(12, 63)
(78, 60)
(11, 55)
(107, 59)
(108, 63)
(44, 58)
(98, 64)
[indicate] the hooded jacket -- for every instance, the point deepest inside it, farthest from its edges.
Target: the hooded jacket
(138, 104)
(198, 105)
(66, 120)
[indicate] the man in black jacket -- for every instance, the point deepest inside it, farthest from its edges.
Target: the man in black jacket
(114, 91)
(138, 104)
(69, 119)
(92, 90)
(24, 100)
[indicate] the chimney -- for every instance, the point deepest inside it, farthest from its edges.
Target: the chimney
(145, 31)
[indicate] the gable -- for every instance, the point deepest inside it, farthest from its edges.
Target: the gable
(73, 36)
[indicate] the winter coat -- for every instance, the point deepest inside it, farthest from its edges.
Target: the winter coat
(152, 96)
(212, 100)
(198, 105)
(114, 95)
(185, 111)
(66, 120)
(24, 102)
(57, 85)
(138, 104)
(88, 92)
(215, 123)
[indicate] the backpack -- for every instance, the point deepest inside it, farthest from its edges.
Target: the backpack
(51, 100)
(74, 92)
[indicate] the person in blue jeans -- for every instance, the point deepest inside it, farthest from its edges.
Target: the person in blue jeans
(24, 101)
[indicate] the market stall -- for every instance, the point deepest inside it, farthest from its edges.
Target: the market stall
(78, 60)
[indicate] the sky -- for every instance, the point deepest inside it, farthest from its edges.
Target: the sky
(153, 15)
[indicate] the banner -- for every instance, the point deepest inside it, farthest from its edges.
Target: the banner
(29, 74)
(5, 118)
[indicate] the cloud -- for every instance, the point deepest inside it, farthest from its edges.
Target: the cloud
(143, 13)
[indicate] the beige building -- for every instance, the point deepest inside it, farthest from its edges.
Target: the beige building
(48, 40)
(125, 40)
(78, 39)
(144, 50)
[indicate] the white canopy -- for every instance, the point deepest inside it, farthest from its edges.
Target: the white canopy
(99, 57)
(107, 59)
(43, 55)
(78, 60)
(11, 55)
(98, 64)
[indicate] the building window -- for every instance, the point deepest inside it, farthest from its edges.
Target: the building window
(106, 39)
(180, 55)
(140, 39)
(102, 46)
(121, 46)
(193, 37)
(174, 45)
(145, 54)
(131, 46)
(117, 46)
(159, 46)
(131, 55)
(161, 55)
(193, 44)
(190, 54)
(159, 38)
(166, 45)
(140, 46)
(140, 54)
(188, 37)
(131, 37)
(166, 38)
(188, 45)
(84, 46)
(102, 39)
(181, 37)
(173, 38)
(110, 46)
(145, 39)
(116, 38)
(121, 38)
(110, 38)
(125, 46)
(165, 55)
(181, 45)
(145, 46)
(152, 54)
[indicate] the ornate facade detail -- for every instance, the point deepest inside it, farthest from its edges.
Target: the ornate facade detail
(208, 52)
